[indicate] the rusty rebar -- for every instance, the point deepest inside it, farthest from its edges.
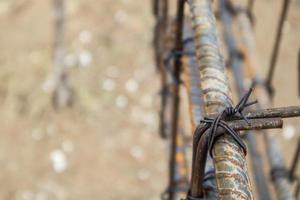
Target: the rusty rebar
(228, 11)
(196, 103)
(276, 47)
(216, 95)
(299, 72)
(280, 112)
(254, 124)
(282, 185)
(176, 88)
(295, 162)
(161, 10)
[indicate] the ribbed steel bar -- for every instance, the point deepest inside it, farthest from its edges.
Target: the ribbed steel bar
(274, 56)
(176, 90)
(196, 104)
(237, 65)
(192, 79)
(282, 185)
(229, 160)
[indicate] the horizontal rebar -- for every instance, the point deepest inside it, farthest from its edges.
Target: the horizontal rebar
(281, 112)
(254, 124)
(278, 39)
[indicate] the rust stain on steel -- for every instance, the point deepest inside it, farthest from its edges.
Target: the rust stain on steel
(282, 186)
(181, 158)
(217, 95)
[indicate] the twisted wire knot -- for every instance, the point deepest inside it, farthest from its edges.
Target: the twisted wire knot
(226, 114)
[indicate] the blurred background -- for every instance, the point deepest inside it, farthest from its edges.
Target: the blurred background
(88, 130)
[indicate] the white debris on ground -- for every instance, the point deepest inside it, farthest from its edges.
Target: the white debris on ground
(85, 58)
(112, 72)
(143, 175)
(137, 152)
(108, 84)
(131, 86)
(85, 37)
(37, 135)
(67, 146)
(289, 131)
(121, 101)
(120, 16)
(59, 160)
(70, 60)
(48, 85)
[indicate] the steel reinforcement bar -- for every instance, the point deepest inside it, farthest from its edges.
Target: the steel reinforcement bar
(237, 66)
(229, 159)
(281, 183)
(195, 97)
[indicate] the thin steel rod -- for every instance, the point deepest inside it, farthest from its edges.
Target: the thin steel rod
(161, 9)
(281, 112)
(176, 88)
(295, 162)
(299, 73)
(254, 124)
(274, 55)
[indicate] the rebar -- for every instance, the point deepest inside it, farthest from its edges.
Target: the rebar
(196, 104)
(276, 47)
(295, 162)
(231, 171)
(299, 73)
(161, 9)
(281, 184)
(228, 11)
(176, 88)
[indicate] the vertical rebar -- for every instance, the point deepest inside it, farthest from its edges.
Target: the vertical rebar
(282, 185)
(229, 160)
(299, 73)
(295, 162)
(175, 110)
(161, 11)
(275, 51)
(196, 103)
(62, 95)
(237, 65)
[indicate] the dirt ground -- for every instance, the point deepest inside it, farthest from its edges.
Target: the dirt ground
(107, 145)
